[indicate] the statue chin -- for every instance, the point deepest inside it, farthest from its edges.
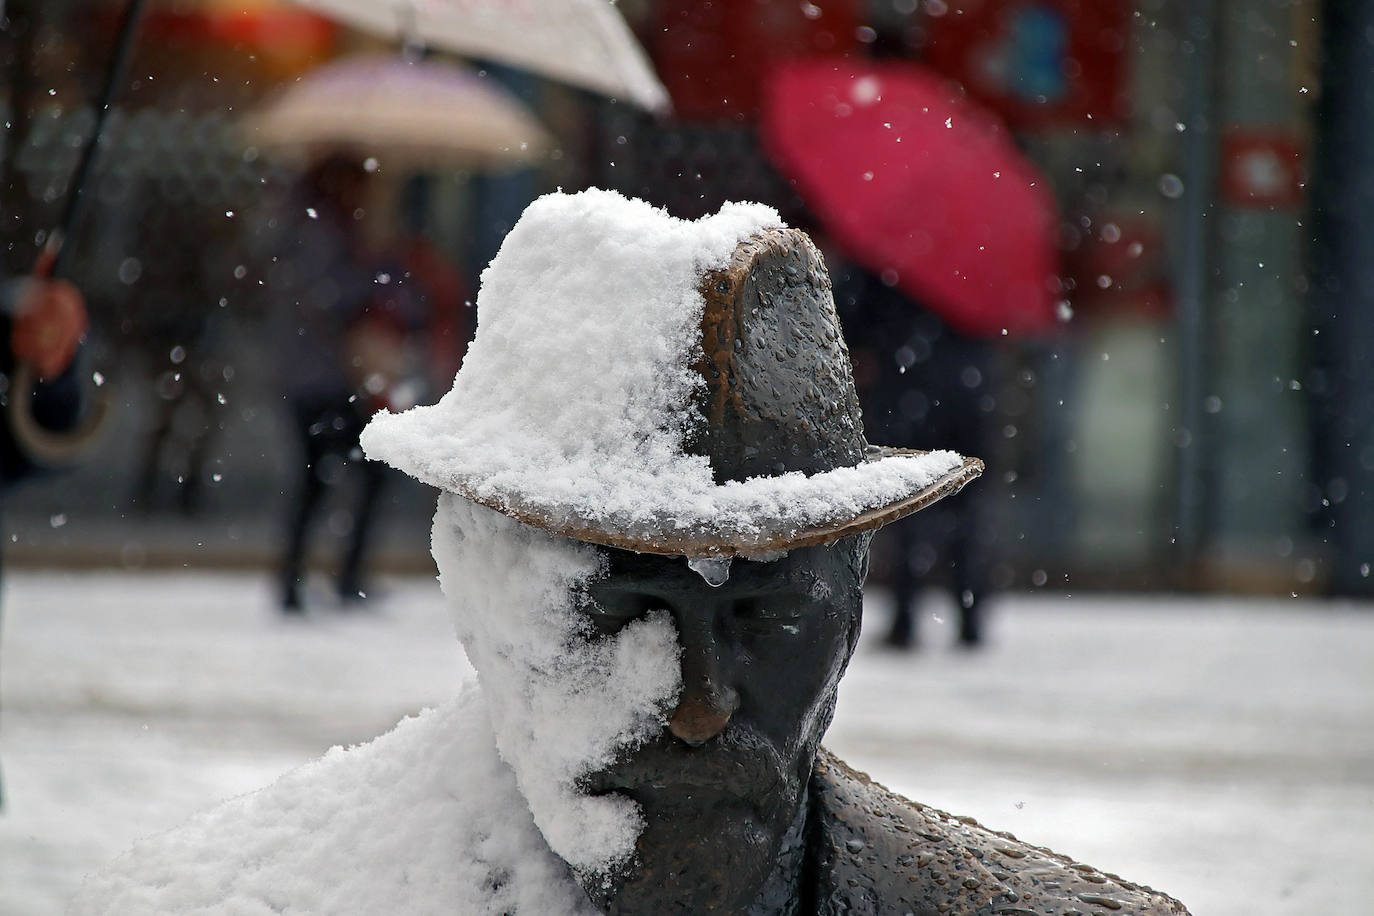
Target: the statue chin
(696, 855)
(724, 825)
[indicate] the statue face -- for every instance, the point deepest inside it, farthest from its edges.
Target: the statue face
(722, 786)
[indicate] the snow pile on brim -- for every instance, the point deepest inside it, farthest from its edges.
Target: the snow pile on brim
(577, 391)
(423, 820)
(565, 701)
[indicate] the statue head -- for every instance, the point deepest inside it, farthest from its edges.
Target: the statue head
(721, 786)
(665, 418)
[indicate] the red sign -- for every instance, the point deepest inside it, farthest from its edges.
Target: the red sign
(1035, 62)
(1261, 169)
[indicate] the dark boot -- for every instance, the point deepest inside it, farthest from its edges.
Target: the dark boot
(902, 633)
(970, 621)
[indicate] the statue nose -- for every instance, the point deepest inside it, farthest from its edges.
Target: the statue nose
(703, 713)
(708, 697)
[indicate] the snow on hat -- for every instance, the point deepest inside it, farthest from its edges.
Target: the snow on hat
(661, 385)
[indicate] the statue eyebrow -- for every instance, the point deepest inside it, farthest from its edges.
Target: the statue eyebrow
(622, 581)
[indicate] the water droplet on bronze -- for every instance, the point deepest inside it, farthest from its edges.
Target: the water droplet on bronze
(1110, 903)
(714, 571)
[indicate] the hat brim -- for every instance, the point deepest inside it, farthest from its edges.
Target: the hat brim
(767, 539)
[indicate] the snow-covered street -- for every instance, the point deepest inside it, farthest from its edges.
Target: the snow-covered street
(1218, 749)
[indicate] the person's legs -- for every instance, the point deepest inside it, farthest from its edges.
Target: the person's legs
(307, 498)
(902, 633)
(201, 399)
(970, 541)
(149, 465)
(372, 476)
(968, 587)
(969, 426)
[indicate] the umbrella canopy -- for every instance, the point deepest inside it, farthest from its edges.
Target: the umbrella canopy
(582, 42)
(408, 114)
(920, 187)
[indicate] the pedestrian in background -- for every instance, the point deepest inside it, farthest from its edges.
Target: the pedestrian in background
(345, 315)
(923, 385)
(948, 234)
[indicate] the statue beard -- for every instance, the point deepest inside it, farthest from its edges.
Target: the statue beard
(715, 820)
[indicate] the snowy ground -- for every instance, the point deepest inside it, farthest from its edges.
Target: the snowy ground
(1220, 750)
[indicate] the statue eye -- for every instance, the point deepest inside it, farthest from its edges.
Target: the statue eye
(769, 616)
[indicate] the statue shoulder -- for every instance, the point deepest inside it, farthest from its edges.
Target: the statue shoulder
(877, 852)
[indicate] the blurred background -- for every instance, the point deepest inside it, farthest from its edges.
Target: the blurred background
(1196, 417)
(1117, 249)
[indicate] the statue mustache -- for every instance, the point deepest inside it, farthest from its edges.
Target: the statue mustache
(738, 762)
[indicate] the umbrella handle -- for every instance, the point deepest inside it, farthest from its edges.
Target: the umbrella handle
(45, 447)
(42, 446)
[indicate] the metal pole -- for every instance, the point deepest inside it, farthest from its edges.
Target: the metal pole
(19, 27)
(54, 256)
(1342, 383)
(1199, 181)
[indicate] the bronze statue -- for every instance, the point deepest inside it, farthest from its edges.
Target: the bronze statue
(720, 559)
(745, 812)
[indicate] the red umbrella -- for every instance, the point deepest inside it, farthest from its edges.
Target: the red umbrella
(919, 186)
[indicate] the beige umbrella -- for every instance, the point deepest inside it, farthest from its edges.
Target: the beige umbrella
(582, 42)
(408, 114)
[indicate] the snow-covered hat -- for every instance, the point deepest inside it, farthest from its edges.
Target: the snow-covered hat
(663, 386)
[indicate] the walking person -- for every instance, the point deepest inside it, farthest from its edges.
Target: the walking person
(924, 385)
(321, 286)
(349, 316)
